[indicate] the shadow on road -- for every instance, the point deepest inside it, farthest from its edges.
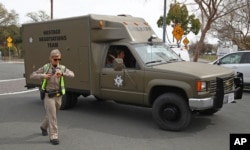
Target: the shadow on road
(124, 120)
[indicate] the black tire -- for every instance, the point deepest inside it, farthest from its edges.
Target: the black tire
(171, 112)
(66, 100)
(74, 98)
(209, 111)
(99, 99)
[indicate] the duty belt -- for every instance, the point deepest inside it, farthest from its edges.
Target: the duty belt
(53, 93)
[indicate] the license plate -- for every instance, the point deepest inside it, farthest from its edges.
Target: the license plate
(228, 98)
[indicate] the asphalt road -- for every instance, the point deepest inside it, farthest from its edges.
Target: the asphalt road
(94, 125)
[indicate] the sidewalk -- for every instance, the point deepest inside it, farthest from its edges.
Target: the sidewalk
(11, 60)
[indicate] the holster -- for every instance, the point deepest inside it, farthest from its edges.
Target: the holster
(42, 94)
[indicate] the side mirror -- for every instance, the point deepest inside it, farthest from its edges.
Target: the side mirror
(218, 62)
(118, 64)
(150, 39)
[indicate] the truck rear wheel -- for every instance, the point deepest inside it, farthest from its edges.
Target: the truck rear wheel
(66, 98)
(69, 100)
(171, 112)
(74, 98)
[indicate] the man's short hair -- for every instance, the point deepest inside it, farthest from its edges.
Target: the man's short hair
(55, 52)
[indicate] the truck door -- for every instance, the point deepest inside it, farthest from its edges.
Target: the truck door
(125, 85)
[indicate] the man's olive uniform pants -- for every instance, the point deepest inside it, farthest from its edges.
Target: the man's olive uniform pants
(51, 105)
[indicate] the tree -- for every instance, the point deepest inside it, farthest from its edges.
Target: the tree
(14, 32)
(211, 10)
(178, 15)
(235, 27)
(8, 27)
(38, 16)
(7, 18)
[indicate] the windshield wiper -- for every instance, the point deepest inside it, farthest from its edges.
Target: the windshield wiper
(154, 61)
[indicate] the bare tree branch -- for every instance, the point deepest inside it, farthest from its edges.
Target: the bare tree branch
(212, 10)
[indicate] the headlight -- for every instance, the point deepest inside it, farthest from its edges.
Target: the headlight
(201, 86)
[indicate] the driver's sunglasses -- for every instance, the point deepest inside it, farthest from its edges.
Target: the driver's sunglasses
(57, 59)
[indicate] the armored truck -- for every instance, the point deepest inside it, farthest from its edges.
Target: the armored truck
(150, 74)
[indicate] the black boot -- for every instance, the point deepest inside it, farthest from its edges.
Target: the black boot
(44, 132)
(54, 141)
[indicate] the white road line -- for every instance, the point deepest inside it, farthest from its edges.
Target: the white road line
(20, 92)
(12, 80)
(11, 62)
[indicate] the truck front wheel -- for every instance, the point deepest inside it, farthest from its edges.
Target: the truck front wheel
(171, 112)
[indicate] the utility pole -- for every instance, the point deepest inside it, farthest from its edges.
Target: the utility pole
(51, 9)
(164, 21)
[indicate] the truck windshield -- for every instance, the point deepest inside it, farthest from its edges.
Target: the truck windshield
(156, 54)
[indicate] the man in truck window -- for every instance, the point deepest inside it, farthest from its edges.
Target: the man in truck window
(53, 75)
(112, 54)
(128, 59)
(121, 52)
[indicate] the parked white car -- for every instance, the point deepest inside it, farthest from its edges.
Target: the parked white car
(238, 61)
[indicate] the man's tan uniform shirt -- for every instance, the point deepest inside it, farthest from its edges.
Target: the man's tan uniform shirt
(54, 82)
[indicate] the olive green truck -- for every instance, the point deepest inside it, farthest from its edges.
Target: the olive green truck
(149, 75)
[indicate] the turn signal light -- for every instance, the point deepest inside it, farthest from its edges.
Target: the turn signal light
(200, 86)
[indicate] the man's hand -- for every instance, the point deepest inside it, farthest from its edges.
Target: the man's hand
(47, 76)
(58, 74)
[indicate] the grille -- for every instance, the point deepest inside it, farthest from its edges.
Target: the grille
(228, 83)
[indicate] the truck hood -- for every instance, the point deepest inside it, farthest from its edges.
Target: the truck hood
(201, 70)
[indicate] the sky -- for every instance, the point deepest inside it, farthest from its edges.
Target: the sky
(150, 10)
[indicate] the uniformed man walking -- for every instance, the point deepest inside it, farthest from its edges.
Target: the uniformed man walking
(53, 75)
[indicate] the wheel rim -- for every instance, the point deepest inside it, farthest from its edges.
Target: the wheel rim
(170, 113)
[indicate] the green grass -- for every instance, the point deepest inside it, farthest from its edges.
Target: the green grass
(209, 57)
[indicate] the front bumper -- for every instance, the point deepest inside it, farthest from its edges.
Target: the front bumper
(220, 97)
(206, 103)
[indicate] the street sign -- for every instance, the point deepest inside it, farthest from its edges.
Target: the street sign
(9, 45)
(9, 39)
(185, 41)
(9, 42)
(177, 36)
(178, 32)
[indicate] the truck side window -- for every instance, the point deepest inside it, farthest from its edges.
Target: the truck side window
(120, 52)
